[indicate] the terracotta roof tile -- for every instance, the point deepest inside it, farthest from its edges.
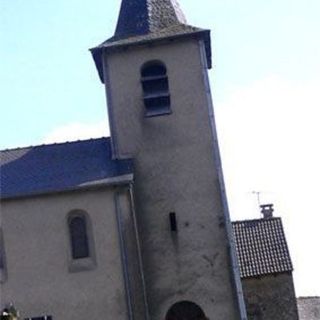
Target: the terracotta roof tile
(261, 247)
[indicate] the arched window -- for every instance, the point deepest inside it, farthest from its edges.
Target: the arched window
(155, 88)
(79, 236)
(185, 310)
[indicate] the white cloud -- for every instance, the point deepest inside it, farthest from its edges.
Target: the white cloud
(269, 135)
(77, 131)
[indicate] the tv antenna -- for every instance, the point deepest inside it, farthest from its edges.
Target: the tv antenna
(257, 194)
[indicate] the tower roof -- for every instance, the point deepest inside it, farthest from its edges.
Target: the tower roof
(144, 16)
(142, 21)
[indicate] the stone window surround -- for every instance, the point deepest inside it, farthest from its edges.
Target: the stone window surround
(81, 264)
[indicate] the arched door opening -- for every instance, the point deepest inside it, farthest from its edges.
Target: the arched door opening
(185, 310)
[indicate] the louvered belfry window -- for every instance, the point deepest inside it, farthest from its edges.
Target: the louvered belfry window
(155, 87)
(79, 237)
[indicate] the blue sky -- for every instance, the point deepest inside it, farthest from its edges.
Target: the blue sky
(265, 83)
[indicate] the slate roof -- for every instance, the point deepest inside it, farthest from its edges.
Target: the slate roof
(261, 247)
(142, 21)
(309, 308)
(59, 167)
(138, 17)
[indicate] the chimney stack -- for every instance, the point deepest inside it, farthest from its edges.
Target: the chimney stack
(267, 210)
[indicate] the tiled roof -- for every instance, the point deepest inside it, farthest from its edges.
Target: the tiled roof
(142, 21)
(59, 167)
(309, 308)
(261, 247)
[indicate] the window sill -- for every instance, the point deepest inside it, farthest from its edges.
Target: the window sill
(158, 112)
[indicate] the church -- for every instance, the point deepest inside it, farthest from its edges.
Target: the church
(136, 226)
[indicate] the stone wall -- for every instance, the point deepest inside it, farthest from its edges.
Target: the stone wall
(309, 308)
(270, 297)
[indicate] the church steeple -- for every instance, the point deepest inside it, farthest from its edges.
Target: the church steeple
(160, 115)
(145, 21)
(146, 16)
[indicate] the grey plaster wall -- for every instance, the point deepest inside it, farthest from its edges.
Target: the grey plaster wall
(39, 280)
(309, 308)
(270, 297)
(174, 172)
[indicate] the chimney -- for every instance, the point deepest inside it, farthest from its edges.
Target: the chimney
(267, 210)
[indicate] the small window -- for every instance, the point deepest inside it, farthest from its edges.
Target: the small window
(79, 237)
(173, 221)
(81, 252)
(155, 88)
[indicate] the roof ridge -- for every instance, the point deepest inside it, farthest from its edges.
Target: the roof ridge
(255, 220)
(53, 144)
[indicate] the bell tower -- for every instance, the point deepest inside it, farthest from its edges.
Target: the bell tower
(155, 73)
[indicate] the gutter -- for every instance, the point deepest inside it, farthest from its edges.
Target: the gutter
(91, 185)
(145, 300)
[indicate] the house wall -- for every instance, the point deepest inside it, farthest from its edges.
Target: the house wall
(41, 278)
(175, 171)
(270, 297)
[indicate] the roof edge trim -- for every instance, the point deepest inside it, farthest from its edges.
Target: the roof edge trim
(114, 181)
(98, 51)
(265, 274)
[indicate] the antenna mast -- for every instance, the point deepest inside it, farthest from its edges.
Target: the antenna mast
(257, 193)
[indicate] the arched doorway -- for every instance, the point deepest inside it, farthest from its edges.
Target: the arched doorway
(185, 310)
